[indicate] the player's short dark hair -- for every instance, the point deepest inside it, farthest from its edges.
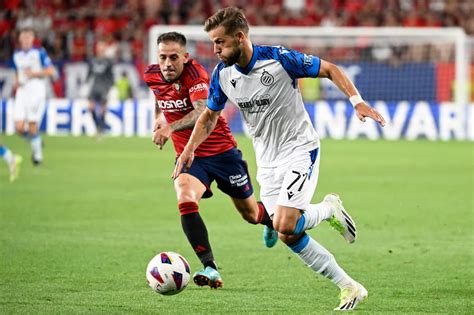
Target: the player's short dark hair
(172, 37)
(27, 29)
(231, 18)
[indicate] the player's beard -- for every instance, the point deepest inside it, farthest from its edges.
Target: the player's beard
(234, 56)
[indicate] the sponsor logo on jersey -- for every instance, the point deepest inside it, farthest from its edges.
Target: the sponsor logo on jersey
(257, 104)
(238, 180)
(283, 50)
(308, 60)
(234, 81)
(198, 87)
(266, 79)
(172, 105)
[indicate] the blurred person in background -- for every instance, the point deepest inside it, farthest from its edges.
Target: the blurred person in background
(101, 80)
(33, 67)
(123, 87)
(13, 161)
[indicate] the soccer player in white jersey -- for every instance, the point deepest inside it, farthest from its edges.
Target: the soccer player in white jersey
(33, 67)
(262, 82)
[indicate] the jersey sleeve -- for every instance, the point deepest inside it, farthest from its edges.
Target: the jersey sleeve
(217, 98)
(45, 60)
(199, 87)
(297, 64)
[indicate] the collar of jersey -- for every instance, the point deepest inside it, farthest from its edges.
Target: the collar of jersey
(249, 67)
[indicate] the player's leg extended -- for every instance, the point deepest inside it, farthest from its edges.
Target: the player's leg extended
(254, 212)
(297, 189)
(36, 143)
(232, 176)
(189, 191)
(102, 111)
(320, 260)
(92, 109)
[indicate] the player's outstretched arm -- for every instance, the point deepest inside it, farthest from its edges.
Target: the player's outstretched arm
(204, 126)
(162, 131)
(336, 75)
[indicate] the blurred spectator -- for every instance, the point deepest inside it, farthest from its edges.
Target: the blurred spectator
(68, 29)
(123, 87)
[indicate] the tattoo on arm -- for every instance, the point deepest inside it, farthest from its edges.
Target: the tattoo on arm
(157, 109)
(190, 119)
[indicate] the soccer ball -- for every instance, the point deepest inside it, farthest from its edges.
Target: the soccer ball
(168, 273)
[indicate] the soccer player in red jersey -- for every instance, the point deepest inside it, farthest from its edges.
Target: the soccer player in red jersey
(180, 86)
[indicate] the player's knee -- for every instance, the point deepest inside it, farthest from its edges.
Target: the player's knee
(284, 226)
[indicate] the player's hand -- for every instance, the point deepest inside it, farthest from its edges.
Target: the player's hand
(30, 74)
(160, 122)
(183, 163)
(161, 135)
(363, 110)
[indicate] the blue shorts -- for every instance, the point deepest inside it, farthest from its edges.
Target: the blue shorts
(228, 169)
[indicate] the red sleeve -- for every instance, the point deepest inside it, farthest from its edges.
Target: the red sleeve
(199, 86)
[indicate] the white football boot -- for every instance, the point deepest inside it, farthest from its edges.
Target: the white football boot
(340, 220)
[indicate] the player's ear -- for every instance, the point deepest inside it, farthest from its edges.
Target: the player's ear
(186, 57)
(240, 36)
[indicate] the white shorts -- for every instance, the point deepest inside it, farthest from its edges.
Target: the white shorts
(29, 106)
(291, 184)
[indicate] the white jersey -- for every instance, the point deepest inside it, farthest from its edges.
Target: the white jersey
(266, 91)
(34, 59)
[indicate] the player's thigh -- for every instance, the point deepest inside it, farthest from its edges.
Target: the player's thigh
(230, 172)
(19, 110)
(188, 188)
(194, 184)
(299, 182)
(35, 107)
(269, 180)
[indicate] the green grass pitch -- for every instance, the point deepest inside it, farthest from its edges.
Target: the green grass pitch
(77, 233)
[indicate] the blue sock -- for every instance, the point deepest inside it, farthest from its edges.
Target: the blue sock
(300, 244)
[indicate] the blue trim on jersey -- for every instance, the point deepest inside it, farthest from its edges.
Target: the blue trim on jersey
(252, 62)
(296, 64)
(300, 244)
(314, 156)
(45, 61)
(300, 224)
(217, 98)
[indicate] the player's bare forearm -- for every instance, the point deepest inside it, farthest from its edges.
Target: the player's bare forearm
(342, 81)
(190, 119)
(157, 109)
(204, 126)
(336, 75)
(47, 72)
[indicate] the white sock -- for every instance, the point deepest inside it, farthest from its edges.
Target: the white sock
(36, 147)
(321, 261)
(312, 216)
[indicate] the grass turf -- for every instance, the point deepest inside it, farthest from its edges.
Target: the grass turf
(77, 233)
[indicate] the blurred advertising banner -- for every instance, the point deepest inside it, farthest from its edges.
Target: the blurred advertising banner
(404, 120)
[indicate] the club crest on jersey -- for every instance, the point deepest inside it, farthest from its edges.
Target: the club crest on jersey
(177, 86)
(266, 79)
